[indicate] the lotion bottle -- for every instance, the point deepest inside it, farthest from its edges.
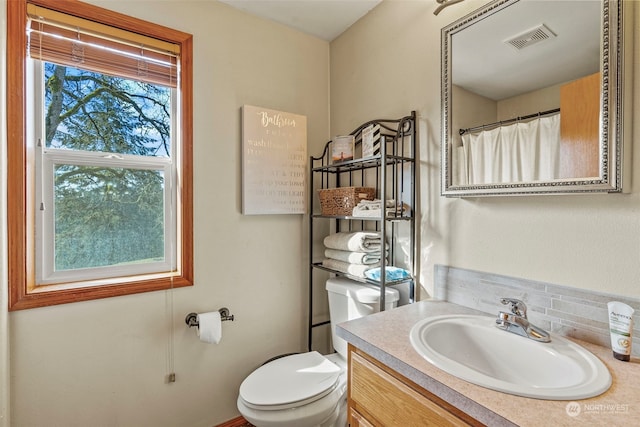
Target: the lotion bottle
(621, 329)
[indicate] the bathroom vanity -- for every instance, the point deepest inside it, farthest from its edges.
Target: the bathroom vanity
(391, 384)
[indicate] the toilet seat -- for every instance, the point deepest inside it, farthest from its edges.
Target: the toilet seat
(300, 378)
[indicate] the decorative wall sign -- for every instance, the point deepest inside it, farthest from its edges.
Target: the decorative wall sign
(274, 162)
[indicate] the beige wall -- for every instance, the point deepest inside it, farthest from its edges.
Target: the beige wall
(531, 102)
(103, 363)
(471, 110)
(388, 64)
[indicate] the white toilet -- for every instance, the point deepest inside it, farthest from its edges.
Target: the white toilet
(309, 389)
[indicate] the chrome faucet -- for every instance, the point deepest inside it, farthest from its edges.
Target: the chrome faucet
(516, 321)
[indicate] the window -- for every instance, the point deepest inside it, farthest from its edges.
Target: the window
(99, 154)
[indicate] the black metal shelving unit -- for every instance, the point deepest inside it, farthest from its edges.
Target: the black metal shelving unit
(392, 173)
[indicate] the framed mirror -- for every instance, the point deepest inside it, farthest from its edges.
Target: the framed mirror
(532, 99)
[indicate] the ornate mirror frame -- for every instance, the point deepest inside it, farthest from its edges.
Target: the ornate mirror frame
(613, 104)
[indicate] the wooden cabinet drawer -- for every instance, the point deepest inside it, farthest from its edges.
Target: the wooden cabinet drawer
(357, 420)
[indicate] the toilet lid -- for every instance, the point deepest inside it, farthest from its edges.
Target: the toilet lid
(290, 379)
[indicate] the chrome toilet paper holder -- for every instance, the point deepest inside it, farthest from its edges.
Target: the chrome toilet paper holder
(192, 318)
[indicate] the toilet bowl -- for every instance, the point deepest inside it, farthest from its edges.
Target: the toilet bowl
(294, 391)
(309, 389)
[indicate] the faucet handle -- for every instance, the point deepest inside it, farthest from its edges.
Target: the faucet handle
(518, 307)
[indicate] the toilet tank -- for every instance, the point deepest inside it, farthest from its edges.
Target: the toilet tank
(350, 300)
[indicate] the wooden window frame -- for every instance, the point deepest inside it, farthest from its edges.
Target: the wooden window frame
(23, 292)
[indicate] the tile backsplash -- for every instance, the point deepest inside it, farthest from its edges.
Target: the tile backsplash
(577, 313)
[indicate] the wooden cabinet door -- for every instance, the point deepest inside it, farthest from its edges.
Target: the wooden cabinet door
(580, 128)
(379, 396)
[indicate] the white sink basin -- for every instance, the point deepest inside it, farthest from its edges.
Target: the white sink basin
(474, 349)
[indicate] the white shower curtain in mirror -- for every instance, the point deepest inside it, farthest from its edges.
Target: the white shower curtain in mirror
(520, 152)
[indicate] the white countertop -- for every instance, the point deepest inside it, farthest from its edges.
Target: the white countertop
(385, 337)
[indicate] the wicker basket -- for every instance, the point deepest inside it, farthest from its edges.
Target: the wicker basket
(341, 201)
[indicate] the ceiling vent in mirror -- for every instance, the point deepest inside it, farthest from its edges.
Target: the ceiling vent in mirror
(530, 37)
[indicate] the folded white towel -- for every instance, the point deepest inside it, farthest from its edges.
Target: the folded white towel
(344, 267)
(366, 212)
(353, 257)
(357, 241)
(370, 204)
(400, 209)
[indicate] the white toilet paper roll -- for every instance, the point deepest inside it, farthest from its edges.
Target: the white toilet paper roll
(210, 327)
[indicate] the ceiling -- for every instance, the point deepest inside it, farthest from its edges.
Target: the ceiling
(326, 19)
